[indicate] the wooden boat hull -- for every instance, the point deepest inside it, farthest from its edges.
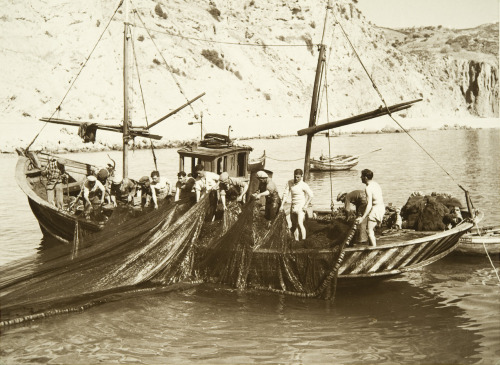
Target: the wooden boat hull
(476, 244)
(320, 165)
(56, 223)
(387, 259)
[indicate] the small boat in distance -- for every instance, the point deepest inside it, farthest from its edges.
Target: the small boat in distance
(336, 163)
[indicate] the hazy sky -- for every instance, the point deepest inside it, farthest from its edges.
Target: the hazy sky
(448, 13)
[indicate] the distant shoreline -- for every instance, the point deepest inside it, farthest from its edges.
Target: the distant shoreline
(69, 146)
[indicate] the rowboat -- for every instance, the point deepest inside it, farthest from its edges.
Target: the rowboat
(257, 163)
(485, 240)
(337, 163)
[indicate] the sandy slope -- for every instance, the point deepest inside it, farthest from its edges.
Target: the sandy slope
(260, 90)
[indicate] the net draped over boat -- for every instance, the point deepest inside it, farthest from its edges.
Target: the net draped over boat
(151, 247)
(261, 254)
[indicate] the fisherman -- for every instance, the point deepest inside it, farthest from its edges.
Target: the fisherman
(451, 219)
(231, 189)
(375, 208)
(161, 186)
(55, 174)
(93, 194)
(356, 198)
(147, 193)
(103, 176)
(122, 191)
(301, 195)
(268, 189)
(184, 188)
(210, 178)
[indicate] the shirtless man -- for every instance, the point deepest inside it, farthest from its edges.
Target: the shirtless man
(301, 197)
(375, 208)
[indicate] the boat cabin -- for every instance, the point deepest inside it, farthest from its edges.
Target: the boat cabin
(217, 154)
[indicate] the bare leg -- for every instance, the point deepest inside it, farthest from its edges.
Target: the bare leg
(371, 232)
(300, 218)
(295, 225)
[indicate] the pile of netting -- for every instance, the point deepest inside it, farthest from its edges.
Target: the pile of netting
(150, 248)
(256, 253)
(432, 212)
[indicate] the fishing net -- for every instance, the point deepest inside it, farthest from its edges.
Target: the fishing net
(262, 254)
(150, 248)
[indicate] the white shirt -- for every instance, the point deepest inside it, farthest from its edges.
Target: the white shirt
(162, 186)
(298, 192)
(211, 180)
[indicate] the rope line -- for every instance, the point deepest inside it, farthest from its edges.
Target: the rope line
(167, 66)
(77, 75)
(487, 253)
(385, 104)
(143, 101)
(275, 159)
(220, 42)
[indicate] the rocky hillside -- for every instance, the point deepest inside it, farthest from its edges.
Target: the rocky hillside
(255, 60)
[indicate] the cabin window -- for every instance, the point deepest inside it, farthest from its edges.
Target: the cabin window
(181, 163)
(241, 164)
(219, 166)
(225, 163)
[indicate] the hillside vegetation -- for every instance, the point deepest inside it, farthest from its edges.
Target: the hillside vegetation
(254, 59)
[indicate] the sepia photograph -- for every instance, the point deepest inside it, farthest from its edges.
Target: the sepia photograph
(250, 182)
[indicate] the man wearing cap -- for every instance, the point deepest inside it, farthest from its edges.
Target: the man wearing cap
(268, 189)
(231, 188)
(301, 195)
(92, 188)
(147, 193)
(122, 190)
(55, 174)
(356, 198)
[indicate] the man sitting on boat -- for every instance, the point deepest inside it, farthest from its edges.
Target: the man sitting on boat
(268, 188)
(122, 191)
(184, 188)
(93, 194)
(55, 174)
(231, 189)
(356, 199)
(375, 208)
(301, 195)
(451, 219)
(161, 186)
(146, 193)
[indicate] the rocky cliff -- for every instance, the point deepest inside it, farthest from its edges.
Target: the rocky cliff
(255, 59)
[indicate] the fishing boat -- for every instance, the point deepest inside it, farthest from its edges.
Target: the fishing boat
(485, 240)
(258, 163)
(265, 255)
(216, 151)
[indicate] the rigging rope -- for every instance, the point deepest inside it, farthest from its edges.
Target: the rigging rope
(78, 74)
(167, 66)
(222, 42)
(385, 104)
(142, 96)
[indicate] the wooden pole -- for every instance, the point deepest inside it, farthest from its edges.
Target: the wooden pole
(126, 137)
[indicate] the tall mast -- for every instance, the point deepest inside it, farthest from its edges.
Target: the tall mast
(315, 99)
(126, 137)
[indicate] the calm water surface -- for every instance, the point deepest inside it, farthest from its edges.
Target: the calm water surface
(448, 312)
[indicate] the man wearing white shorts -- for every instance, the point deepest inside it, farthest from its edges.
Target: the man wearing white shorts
(375, 208)
(301, 197)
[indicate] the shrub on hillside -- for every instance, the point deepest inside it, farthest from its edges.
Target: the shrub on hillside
(213, 57)
(215, 12)
(159, 11)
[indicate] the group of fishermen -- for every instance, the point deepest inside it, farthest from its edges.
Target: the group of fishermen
(104, 185)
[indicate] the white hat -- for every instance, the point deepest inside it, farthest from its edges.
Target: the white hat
(117, 180)
(91, 178)
(261, 174)
(224, 177)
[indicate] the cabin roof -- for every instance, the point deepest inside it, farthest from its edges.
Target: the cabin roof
(211, 153)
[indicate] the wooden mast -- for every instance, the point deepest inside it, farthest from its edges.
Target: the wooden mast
(315, 98)
(126, 137)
